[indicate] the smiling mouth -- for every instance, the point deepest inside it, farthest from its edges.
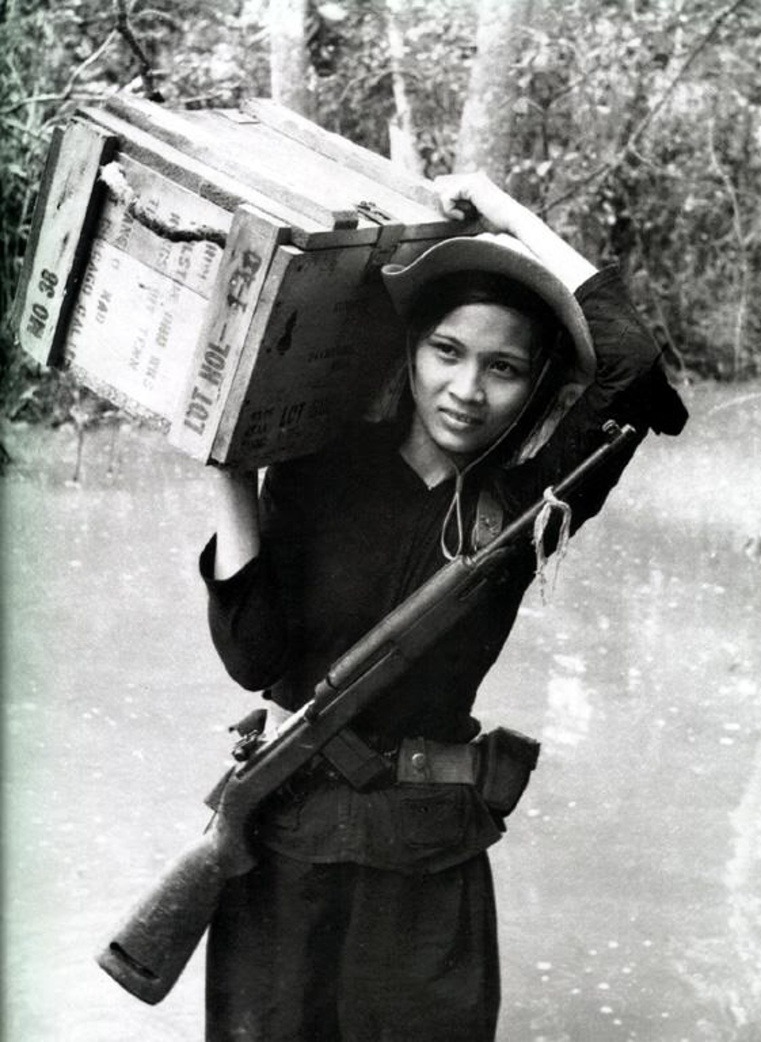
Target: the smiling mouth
(461, 420)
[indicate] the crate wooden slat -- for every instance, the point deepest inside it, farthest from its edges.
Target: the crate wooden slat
(214, 185)
(223, 149)
(143, 299)
(282, 160)
(288, 169)
(218, 272)
(216, 367)
(331, 145)
(66, 203)
(305, 387)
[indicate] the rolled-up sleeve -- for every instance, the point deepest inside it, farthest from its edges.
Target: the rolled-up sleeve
(254, 615)
(245, 620)
(631, 381)
(630, 387)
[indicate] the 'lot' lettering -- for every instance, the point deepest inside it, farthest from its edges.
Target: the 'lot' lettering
(197, 412)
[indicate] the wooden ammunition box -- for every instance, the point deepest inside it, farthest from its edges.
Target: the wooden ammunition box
(217, 272)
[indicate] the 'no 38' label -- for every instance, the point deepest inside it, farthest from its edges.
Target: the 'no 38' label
(39, 312)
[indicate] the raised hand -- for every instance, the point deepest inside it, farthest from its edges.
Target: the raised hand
(500, 213)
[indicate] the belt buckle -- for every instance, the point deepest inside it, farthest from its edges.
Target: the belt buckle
(423, 760)
(419, 759)
(414, 761)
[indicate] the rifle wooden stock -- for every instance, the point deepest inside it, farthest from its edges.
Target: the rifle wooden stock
(151, 949)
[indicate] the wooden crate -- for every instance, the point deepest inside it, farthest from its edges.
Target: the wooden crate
(218, 272)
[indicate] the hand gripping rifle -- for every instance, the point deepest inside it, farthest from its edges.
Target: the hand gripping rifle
(150, 950)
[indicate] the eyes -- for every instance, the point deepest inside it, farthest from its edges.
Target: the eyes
(502, 366)
(507, 368)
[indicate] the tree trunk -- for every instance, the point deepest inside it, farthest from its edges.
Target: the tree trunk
(289, 61)
(401, 131)
(485, 130)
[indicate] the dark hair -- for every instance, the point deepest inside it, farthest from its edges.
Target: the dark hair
(457, 289)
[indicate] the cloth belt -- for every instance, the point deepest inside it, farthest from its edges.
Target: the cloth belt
(365, 766)
(422, 760)
(498, 764)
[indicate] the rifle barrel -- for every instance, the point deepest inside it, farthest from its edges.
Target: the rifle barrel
(152, 947)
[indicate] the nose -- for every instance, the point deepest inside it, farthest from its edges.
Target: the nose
(466, 384)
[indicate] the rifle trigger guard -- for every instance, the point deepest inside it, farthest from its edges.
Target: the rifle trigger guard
(250, 728)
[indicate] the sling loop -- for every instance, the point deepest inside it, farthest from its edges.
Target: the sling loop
(551, 502)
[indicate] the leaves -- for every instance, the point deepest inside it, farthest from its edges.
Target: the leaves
(610, 103)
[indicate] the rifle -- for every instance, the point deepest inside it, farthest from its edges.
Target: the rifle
(150, 950)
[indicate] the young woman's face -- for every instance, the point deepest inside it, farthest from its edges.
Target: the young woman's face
(472, 375)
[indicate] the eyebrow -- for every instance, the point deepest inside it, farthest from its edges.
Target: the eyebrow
(513, 354)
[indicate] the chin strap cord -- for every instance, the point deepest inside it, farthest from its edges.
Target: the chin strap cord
(551, 502)
(455, 510)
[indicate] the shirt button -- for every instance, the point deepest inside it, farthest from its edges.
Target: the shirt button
(418, 761)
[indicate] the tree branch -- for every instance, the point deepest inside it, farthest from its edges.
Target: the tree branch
(68, 90)
(145, 69)
(613, 164)
(369, 79)
(26, 131)
(655, 295)
(696, 50)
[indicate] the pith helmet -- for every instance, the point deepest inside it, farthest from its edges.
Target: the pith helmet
(502, 255)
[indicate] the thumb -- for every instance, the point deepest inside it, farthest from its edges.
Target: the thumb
(453, 196)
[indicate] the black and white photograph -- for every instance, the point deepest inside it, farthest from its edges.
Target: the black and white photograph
(380, 474)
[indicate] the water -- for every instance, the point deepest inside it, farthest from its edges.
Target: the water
(630, 880)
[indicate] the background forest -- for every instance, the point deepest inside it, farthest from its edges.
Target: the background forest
(634, 126)
(630, 881)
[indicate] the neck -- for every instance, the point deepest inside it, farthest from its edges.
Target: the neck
(429, 462)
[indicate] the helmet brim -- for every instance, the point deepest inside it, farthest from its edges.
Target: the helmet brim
(501, 255)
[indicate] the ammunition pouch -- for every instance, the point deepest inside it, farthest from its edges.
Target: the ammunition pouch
(505, 762)
(498, 764)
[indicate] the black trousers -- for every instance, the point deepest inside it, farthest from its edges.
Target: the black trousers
(301, 952)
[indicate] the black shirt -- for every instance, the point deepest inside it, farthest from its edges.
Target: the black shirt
(350, 532)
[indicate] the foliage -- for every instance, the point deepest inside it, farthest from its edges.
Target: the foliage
(57, 56)
(636, 129)
(665, 113)
(357, 101)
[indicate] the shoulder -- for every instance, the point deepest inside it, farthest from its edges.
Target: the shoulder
(606, 284)
(629, 360)
(361, 450)
(359, 442)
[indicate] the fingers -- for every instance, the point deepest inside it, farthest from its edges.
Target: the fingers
(458, 194)
(470, 196)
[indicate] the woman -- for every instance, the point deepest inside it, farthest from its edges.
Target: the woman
(370, 914)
